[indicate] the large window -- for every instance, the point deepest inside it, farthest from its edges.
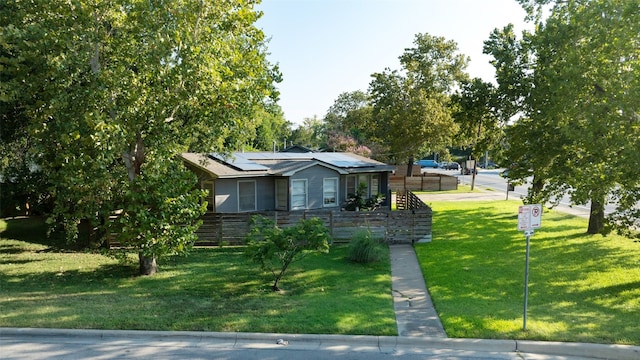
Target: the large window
(298, 194)
(375, 184)
(354, 183)
(371, 182)
(330, 192)
(351, 185)
(246, 195)
(363, 181)
(282, 187)
(210, 198)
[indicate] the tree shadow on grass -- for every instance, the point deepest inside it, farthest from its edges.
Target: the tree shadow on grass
(475, 266)
(34, 230)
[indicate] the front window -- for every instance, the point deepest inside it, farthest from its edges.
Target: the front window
(298, 194)
(246, 196)
(330, 192)
(375, 184)
(363, 182)
(351, 185)
(281, 194)
(210, 198)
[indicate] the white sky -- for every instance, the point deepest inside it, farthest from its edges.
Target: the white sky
(327, 47)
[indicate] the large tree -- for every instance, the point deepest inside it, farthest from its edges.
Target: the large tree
(346, 122)
(411, 114)
(270, 128)
(580, 104)
(121, 88)
(475, 111)
(349, 115)
(311, 134)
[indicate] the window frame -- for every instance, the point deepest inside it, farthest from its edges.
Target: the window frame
(285, 196)
(255, 195)
(293, 194)
(209, 185)
(335, 192)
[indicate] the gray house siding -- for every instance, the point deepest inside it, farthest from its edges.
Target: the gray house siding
(315, 176)
(227, 200)
(270, 181)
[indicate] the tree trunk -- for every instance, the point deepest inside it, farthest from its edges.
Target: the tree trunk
(148, 265)
(537, 186)
(410, 166)
(473, 173)
(596, 217)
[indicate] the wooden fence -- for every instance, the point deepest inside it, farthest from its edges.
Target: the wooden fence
(407, 226)
(406, 200)
(427, 182)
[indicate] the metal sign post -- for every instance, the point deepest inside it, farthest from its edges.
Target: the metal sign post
(529, 218)
(526, 281)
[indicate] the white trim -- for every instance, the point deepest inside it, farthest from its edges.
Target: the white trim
(306, 194)
(314, 163)
(255, 195)
(336, 192)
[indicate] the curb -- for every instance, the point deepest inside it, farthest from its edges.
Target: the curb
(589, 350)
(363, 343)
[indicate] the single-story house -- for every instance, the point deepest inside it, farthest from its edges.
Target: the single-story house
(286, 181)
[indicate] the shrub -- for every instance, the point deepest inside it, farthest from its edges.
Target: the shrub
(363, 248)
(275, 248)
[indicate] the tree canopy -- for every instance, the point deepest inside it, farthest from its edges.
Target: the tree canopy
(576, 81)
(410, 108)
(110, 92)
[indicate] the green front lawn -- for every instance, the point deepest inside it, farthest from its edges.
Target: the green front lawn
(582, 288)
(213, 289)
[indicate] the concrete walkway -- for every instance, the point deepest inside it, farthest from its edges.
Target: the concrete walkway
(415, 314)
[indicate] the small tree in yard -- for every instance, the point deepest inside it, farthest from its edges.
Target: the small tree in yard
(276, 248)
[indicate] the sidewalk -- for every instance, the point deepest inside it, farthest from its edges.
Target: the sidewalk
(482, 194)
(415, 314)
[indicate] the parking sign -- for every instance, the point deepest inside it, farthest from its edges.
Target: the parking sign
(529, 217)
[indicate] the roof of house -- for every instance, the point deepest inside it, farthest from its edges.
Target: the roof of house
(254, 164)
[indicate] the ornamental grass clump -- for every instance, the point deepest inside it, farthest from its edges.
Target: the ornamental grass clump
(364, 248)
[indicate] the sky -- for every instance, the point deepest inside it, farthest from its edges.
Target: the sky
(328, 47)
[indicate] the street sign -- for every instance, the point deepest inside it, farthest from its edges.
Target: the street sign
(529, 217)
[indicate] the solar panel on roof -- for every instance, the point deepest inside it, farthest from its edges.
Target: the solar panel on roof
(342, 160)
(241, 162)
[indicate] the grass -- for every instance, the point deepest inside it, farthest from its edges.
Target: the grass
(582, 288)
(461, 189)
(213, 289)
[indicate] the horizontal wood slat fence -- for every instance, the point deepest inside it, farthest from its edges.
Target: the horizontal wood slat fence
(406, 226)
(427, 182)
(406, 200)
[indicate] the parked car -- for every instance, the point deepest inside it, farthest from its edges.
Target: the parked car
(452, 166)
(490, 165)
(467, 171)
(427, 163)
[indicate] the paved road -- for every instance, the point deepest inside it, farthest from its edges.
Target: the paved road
(491, 179)
(185, 345)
